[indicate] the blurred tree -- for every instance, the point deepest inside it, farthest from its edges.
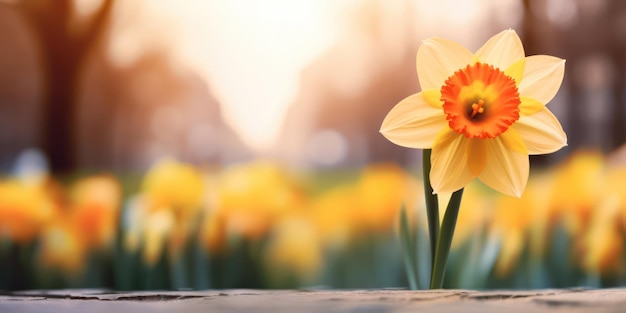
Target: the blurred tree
(591, 36)
(65, 39)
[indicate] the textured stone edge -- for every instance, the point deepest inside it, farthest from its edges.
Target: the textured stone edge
(578, 297)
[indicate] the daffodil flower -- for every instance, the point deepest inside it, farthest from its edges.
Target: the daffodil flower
(481, 113)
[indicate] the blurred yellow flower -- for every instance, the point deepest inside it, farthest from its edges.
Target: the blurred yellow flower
(578, 187)
(212, 229)
(332, 214)
(24, 210)
(365, 207)
(95, 203)
(295, 248)
(147, 228)
(61, 246)
(510, 223)
(538, 203)
(481, 113)
(603, 244)
(174, 185)
(520, 223)
(213, 234)
(180, 189)
(473, 215)
(158, 227)
(615, 181)
(381, 190)
(251, 197)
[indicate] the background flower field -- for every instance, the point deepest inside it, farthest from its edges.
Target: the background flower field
(262, 225)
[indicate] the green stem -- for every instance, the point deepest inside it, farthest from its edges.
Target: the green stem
(445, 240)
(432, 206)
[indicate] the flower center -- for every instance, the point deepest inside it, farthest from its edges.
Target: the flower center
(480, 101)
(477, 108)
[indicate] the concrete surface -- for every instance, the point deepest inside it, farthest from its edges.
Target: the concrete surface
(353, 301)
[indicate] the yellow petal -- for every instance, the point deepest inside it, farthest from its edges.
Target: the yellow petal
(502, 50)
(449, 158)
(506, 170)
(512, 140)
(543, 75)
(530, 106)
(541, 132)
(437, 59)
(516, 71)
(413, 123)
(477, 156)
(433, 97)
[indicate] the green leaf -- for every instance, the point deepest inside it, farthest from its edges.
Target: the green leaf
(408, 250)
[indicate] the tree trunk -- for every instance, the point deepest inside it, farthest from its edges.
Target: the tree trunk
(63, 53)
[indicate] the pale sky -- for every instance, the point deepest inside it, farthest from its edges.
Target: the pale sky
(251, 53)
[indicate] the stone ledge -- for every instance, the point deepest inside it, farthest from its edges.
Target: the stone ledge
(354, 301)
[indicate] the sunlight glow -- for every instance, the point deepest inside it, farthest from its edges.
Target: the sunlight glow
(86, 7)
(252, 53)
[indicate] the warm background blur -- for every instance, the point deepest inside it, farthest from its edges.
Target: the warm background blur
(116, 85)
(138, 138)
